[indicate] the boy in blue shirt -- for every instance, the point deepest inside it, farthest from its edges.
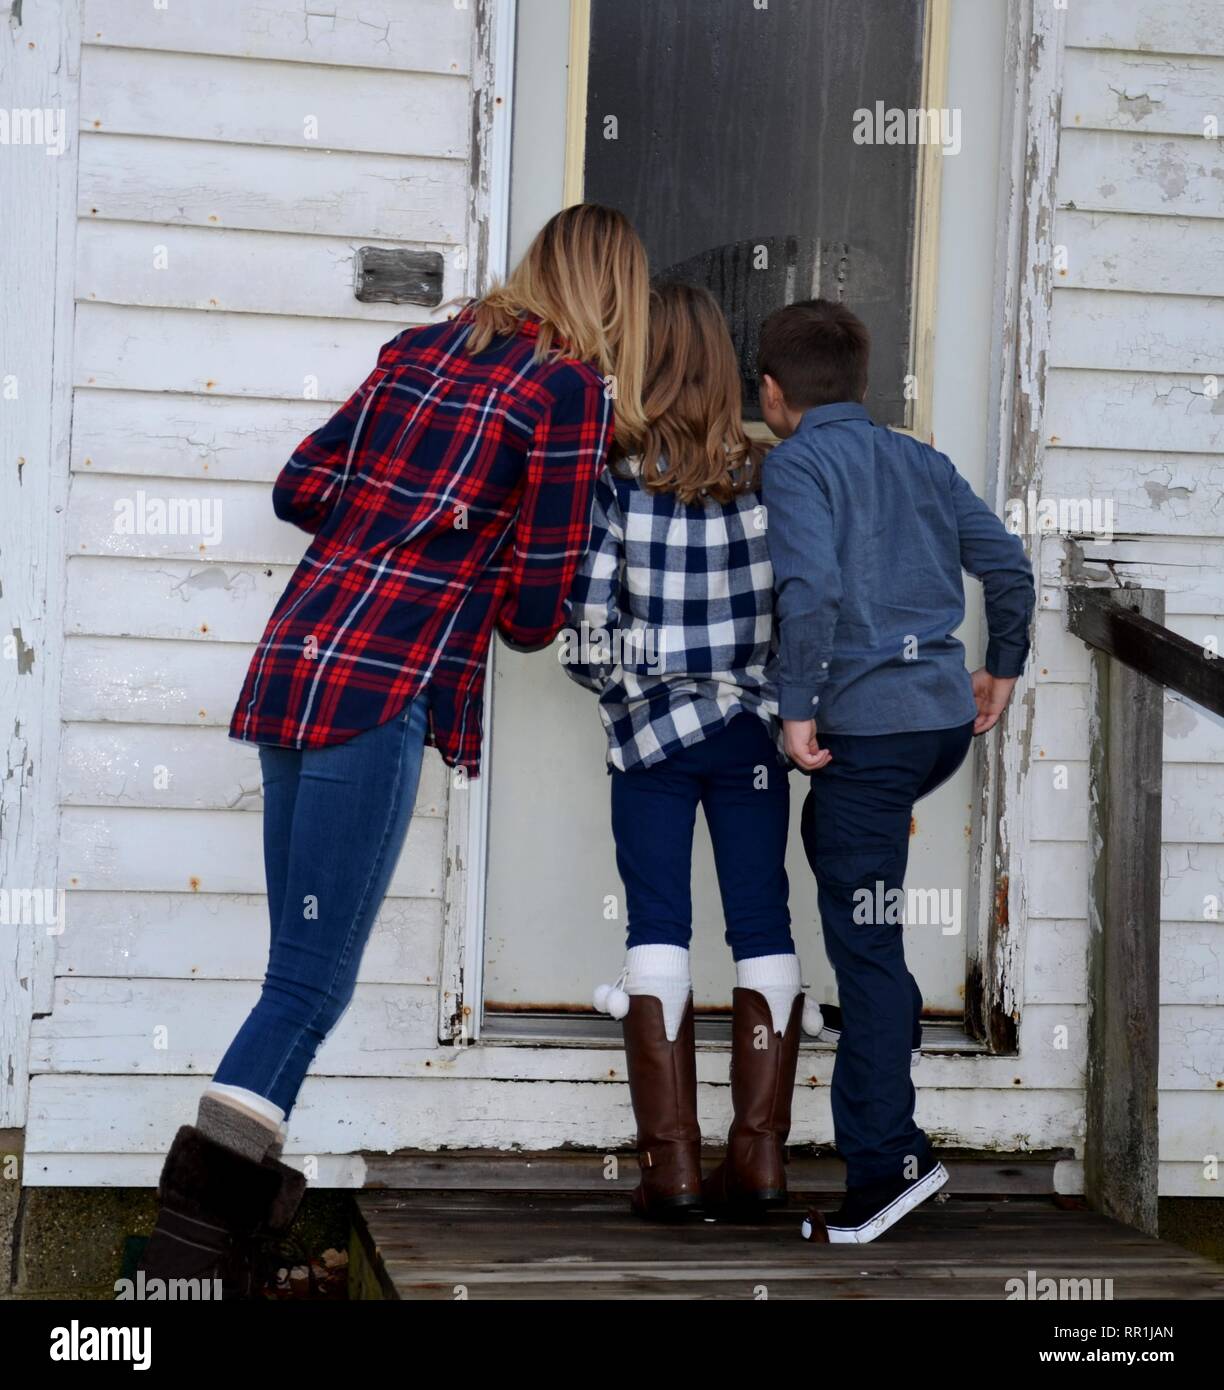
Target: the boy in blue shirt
(869, 531)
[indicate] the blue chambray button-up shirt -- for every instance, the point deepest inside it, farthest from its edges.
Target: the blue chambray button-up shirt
(869, 531)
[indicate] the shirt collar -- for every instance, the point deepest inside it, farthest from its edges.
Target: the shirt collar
(830, 414)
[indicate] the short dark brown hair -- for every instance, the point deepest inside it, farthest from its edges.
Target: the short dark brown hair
(817, 351)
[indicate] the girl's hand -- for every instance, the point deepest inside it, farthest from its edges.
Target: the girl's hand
(802, 747)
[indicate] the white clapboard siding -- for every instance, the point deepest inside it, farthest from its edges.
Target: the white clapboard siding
(1058, 800)
(1134, 91)
(399, 197)
(171, 599)
(1056, 880)
(202, 97)
(139, 1114)
(214, 520)
(123, 517)
(404, 35)
(1192, 807)
(1192, 1050)
(135, 349)
(1191, 734)
(134, 681)
(1140, 254)
(1192, 965)
(1176, 175)
(244, 272)
(1056, 963)
(130, 681)
(1138, 333)
(1154, 493)
(224, 936)
(1193, 803)
(1191, 572)
(1133, 412)
(1060, 727)
(177, 1026)
(146, 851)
(1058, 656)
(170, 435)
(1151, 26)
(188, 769)
(1196, 1178)
(605, 1061)
(1140, 195)
(1191, 876)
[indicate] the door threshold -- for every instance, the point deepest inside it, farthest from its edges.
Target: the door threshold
(713, 1032)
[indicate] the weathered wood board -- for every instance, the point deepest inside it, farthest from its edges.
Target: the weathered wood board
(520, 1246)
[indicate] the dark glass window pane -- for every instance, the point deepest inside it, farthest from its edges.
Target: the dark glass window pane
(735, 132)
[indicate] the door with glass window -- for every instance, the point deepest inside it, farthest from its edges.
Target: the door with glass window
(735, 136)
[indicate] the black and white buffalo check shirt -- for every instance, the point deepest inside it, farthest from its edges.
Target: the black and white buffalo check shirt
(671, 618)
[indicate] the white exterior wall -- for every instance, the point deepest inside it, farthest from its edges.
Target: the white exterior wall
(189, 382)
(215, 325)
(1135, 334)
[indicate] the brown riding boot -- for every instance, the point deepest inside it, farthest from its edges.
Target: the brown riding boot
(753, 1174)
(663, 1088)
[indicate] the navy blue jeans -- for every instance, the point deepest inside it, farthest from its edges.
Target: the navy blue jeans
(735, 777)
(856, 832)
(335, 820)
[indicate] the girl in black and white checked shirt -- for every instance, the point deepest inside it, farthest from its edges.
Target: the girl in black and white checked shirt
(671, 624)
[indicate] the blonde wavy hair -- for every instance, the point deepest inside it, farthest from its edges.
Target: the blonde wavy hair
(585, 278)
(694, 442)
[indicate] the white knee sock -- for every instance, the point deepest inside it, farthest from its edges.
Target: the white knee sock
(243, 1099)
(664, 972)
(777, 979)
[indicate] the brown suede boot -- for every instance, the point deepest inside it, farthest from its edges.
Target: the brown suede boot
(217, 1207)
(663, 1087)
(753, 1174)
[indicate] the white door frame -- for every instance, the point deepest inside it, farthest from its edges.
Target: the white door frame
(467, 824)
(1021, 315)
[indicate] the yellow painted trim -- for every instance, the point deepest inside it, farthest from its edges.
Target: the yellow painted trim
(576, 101)
(937, 30)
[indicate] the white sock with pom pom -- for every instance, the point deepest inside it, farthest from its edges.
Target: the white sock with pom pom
(659, 970)
(776, 978)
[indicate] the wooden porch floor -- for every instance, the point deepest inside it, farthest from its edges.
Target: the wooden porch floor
(557, 1246)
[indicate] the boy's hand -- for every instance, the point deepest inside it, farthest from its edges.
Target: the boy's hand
(992, 694)
(799, 736)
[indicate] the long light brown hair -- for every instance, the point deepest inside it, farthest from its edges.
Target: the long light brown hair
(694, 442)
(585, 278)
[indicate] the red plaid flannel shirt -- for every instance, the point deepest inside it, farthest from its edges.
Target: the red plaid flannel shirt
(451, 494)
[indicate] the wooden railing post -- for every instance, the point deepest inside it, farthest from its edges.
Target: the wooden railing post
(1121, 1151)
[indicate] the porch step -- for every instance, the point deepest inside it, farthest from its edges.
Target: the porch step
(559, 1246)
(970, 1173)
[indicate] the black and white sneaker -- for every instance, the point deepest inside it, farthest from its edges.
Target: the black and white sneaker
(832, 1031)
(867, 1212)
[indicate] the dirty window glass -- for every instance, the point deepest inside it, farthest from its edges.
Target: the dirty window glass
(727, 132)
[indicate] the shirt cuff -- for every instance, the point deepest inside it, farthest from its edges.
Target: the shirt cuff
(1004, 661)
(798, 702)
